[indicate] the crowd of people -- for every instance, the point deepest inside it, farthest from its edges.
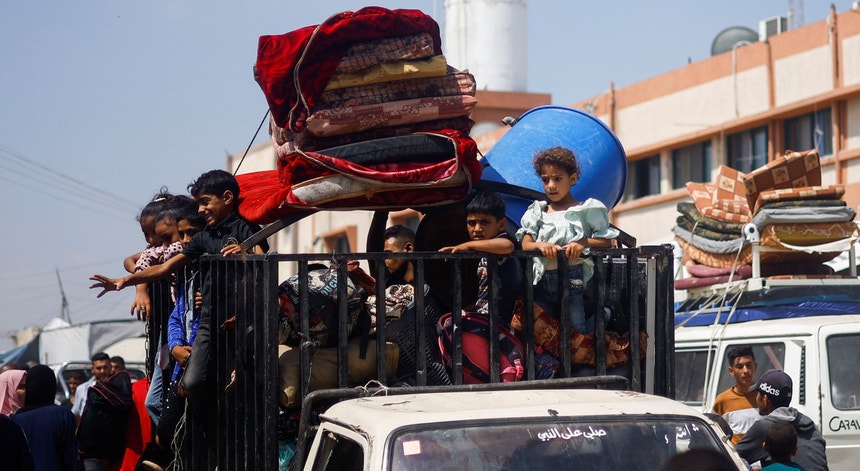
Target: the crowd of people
(37, 432)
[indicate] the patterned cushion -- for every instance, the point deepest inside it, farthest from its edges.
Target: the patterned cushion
(702, 194)
(389, 71)
(690, 211)
(793, 170)
(733, 206)
(693, 253)
(723, 260)
(833, 192)
(352, 119)
(729, 185)
(701, 230)
(809, 233)
(452, 84)
(803, 204)
(369, 53)
(287, 142)
(725, 216)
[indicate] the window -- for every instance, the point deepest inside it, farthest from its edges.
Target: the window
(767, 356)
(844, 381)
(812, 130)
(407, 217)
(342, 240)
(612, 441)
(690, 367)
(747, 150)
(339, 453)
(691, 164)
(643, 178)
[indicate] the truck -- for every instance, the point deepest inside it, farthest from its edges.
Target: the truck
(248, 417)
(806, 326)
(533, 425)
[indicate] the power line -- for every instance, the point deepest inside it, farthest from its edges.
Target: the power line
(61, 198)
(98, 191)
(87, 198)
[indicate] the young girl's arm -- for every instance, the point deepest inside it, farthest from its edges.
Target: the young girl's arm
(153, 273)
(130, 262)
(142, 304)
(574, 249)
(547, 249)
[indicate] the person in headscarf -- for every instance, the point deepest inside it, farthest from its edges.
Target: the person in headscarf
(12, 390)
(49, 428)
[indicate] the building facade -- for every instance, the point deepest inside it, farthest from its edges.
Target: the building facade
(742, 108)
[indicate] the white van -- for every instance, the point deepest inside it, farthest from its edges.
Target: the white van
(810, 328)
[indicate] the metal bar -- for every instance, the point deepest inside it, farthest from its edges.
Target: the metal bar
(456, 320)
(381, 341)
(633, 315)
(495, 358)
(420, 324)
(598, 283)
(565, 315)
(342, 326)
(529, 318)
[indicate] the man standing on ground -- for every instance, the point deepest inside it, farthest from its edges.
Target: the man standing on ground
(103, 423)
(773, 395)
(101, 368)
(737, 404)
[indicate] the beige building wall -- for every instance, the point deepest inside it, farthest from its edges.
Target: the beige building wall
(761, 84)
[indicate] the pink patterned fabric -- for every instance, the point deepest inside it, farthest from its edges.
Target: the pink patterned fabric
(369, 53)
(454, 83)
(151, 255)
(302, 141)
(361, 118)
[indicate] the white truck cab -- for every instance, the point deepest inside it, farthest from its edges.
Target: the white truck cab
(810, 328)
(510, 429)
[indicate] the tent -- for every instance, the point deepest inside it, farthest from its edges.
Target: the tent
(59, 341)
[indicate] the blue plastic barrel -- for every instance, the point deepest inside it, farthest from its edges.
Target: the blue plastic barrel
(600, 156)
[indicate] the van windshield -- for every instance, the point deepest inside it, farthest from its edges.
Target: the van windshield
(633, 443)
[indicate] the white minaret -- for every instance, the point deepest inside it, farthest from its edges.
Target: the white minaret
(488, 37)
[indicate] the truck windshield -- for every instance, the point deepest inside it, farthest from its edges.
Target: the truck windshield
(634, 443)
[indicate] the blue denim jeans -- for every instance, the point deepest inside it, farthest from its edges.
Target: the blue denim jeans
(547, 296)
(153, 396)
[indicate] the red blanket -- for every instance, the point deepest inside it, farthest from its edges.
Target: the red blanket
(309, 181)
(294, 68)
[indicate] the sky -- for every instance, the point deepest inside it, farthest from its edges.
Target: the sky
(104, 102)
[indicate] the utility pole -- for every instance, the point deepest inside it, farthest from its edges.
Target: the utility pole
(64, 309)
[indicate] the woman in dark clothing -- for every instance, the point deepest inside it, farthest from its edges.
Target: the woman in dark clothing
(14, 453)
(49, 428)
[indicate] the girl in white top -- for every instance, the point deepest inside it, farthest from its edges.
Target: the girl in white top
(563, 225)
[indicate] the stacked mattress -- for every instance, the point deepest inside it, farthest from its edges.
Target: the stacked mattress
(365, 114)
(806, 223)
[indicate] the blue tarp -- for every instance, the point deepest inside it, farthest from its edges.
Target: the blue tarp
(769, 311)
(21, 354)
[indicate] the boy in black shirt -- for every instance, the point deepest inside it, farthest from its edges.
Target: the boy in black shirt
(217, 196)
